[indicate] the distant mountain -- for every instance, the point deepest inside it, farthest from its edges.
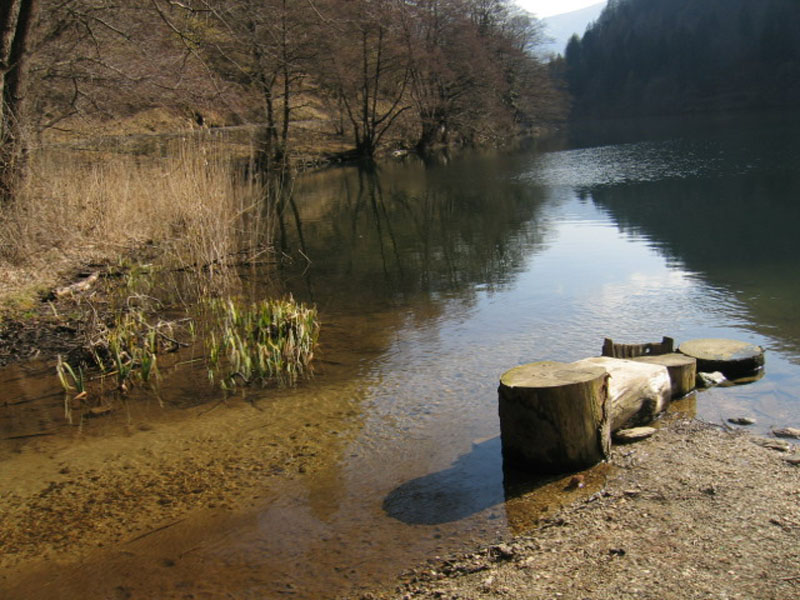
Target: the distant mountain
(561, 27)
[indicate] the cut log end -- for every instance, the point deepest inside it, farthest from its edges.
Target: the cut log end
(732, 358)
(547, 374)
(554, 416)
(682, 371)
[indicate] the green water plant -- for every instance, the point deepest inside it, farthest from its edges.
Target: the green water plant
(260, 342)
(71, 379)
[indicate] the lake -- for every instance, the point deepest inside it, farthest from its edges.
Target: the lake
(433, 279)
(440, 277)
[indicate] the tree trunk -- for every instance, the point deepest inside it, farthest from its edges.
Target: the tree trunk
(637, 391)
(554, 416)
(16, 20)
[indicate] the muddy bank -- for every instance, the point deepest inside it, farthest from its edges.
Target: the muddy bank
(694, 512)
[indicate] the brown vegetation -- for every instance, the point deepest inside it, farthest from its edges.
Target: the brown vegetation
(309, 77)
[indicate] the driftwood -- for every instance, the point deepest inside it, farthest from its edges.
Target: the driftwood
(637, 391)
(665, 346)
(80, 286)
(554, 416)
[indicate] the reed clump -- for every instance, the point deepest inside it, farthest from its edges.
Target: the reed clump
(260, 342)
(192, 201)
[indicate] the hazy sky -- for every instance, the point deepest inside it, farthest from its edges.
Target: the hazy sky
(547, 8)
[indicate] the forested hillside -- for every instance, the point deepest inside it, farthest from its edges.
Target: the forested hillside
(645, 57)
(419, 71)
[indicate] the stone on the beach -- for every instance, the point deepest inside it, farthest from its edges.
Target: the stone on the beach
(633, 434)
(742, 420)
(707, 380)
(788, 432)
(794, 459)
(779, 445)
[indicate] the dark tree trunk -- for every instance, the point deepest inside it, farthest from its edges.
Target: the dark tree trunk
(16, 19)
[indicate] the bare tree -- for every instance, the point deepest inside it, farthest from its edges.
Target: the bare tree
(366, 68)
(263, 47)
(16, 21)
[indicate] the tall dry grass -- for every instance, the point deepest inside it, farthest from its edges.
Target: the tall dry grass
(194, 202)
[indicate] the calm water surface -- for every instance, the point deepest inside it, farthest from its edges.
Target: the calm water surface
(433, 280)
(457, 272)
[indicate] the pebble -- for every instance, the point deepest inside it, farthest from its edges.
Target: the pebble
(779, 445)
(634, 434)
(575, 483)
(790, 432)
(794, 459)
(742, 420)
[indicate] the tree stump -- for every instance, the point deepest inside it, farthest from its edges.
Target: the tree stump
(665, 346)
(554, 416)
(732, 358)
(682, 371)
(637, 391)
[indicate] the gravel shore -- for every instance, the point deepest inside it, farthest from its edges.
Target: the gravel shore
(693, 512)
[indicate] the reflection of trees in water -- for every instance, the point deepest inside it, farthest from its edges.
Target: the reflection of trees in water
(401, 232)
(738, 232)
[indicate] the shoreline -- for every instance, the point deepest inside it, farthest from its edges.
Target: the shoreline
(693, 512)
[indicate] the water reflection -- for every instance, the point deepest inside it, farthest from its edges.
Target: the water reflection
(736, 232)
(407, 230)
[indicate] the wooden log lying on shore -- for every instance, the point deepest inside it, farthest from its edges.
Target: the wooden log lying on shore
(732, 358)
(554, 416)
(682, 371)
(637, 391)
(80, 286)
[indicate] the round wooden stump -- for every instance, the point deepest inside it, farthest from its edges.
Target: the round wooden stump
(554, 416)
(732, 358)
(682, 370)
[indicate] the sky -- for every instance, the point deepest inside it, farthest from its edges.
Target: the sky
(548, 8)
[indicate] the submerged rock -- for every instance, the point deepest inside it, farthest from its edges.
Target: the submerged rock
(742, 420)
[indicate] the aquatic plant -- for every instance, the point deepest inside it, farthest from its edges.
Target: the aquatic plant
(70, 380)
(260, 342)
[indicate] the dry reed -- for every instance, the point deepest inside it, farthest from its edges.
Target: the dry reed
(195, 203)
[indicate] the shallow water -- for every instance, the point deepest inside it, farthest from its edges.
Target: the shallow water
(432, 280)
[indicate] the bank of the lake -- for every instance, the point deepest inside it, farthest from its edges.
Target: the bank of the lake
(693, 512)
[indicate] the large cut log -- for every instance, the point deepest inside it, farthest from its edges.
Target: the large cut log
(637, 391)
(682, 371)
(554, 416)
(732, 358)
